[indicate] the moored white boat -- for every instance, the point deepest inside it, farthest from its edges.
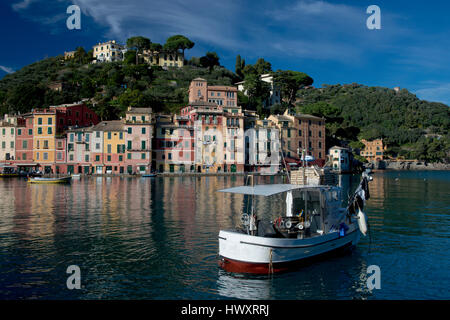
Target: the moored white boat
(321, 227)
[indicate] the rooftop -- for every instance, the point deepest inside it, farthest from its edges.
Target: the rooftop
(202, 104)
(139, 110)
(222, 88)
(82, 129)
(113, 125)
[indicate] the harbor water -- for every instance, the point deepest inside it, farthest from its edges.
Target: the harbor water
(156, 238)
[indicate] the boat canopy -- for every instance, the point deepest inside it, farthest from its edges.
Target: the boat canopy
(266, 189)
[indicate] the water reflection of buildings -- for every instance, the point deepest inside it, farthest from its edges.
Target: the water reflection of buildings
(43, 211)
(125, 202)
(376, 203)
(195, 204)
(7, 202)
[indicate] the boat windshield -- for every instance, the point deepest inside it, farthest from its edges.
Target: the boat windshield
(306, 202)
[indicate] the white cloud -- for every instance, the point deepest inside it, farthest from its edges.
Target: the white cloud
(24, 4)
(7, 69)
(437, 93)
(213, 22)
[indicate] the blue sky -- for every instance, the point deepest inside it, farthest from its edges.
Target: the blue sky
(328, 40)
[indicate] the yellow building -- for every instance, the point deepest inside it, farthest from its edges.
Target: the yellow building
(163, 59)
(69, 55)
(44, 138)
(113, 145)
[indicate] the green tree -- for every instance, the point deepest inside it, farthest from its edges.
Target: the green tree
(210, 60)
(178, 42)
(139, 43)
(156, 47)
(257, 91)
(80, 55)
(262, 66)
(240, 64)
(290, 82)
(130, 57)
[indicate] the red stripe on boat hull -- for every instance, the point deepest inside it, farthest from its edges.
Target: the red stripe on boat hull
(235, 266)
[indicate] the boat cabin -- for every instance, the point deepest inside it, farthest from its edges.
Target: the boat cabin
(310, 210)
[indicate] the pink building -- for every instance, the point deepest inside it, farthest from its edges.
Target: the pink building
(60, 155)
(174, 144)
(138, 126)
(24, 143)
(225, 96)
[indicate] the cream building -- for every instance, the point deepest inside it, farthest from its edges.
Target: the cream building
(262, 147)
(340, 159)
(7, 141)
(109, 51)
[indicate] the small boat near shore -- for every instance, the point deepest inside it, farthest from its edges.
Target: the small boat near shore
(9, 175)
(314, 225)
(149, 175)
(49, 180)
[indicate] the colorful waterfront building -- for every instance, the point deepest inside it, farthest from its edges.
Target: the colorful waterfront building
(218, 136)
(74, 115)
(174, 144)
(301, 133)
(96, 153)
(8, 141)
(373, 150)
(79, 146)
(340, 159)
(24, 159)
(200, 91)
(218, 124)
(49, 133)
(138, 137)
(60, 154)
(262, 144)
(113, 136)
(44, 138)
(233, 131)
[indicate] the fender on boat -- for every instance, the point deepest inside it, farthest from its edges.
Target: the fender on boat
(362, 222)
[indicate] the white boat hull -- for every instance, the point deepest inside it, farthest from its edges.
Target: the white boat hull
(244, 253)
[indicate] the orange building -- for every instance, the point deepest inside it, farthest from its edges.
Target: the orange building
(374, 150)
